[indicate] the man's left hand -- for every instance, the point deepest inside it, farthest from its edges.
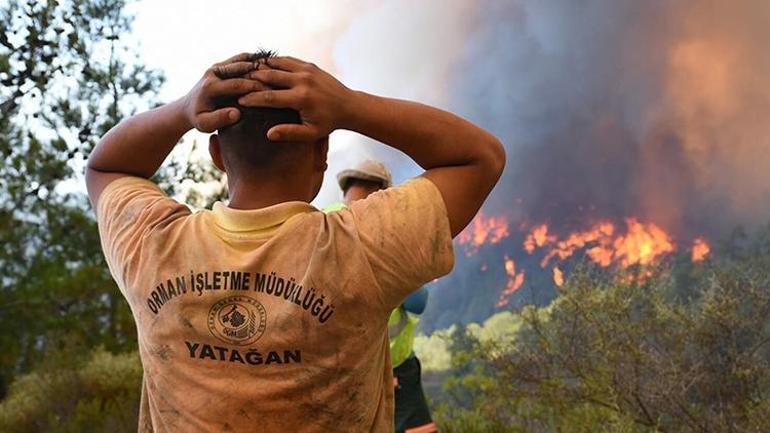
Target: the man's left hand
(222, 79)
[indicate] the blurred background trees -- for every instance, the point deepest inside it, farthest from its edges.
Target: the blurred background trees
(65, 82)
(68, 73)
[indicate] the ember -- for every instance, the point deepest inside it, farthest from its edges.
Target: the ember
(558, 276)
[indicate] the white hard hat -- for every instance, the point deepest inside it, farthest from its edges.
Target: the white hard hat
(370, 170)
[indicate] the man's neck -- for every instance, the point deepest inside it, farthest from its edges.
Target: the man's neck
(246, 196)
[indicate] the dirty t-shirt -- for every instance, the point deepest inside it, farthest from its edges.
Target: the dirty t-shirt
(269, 320)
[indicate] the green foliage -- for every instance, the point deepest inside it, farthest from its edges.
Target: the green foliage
(435, 350)
(64, 82)
(685, 350)
(100, 395)
(67, 75)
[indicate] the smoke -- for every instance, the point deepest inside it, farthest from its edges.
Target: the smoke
(624, 108)
(652, 109)
(608, 108)
(398, 49)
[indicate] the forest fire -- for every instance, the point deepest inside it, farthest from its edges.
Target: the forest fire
(605, 243)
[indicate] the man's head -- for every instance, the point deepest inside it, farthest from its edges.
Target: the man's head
(366, 178)
(244, 152)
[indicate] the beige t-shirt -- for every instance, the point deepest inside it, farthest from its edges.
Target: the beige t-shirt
(269, 320)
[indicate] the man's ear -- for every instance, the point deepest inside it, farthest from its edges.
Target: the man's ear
(216, 152)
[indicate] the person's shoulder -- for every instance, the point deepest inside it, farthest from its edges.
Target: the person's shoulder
(407, 200)
(135, 201)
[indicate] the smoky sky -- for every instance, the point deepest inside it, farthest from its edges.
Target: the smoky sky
(614, 108)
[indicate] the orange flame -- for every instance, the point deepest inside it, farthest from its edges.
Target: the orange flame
(604, 243)
(600, 233)
(642, 244)
(700, 250)
(515, 281)
(537, 238)
(558, 276)
(483, 230)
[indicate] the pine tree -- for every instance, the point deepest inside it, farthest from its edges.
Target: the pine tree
(64, 81)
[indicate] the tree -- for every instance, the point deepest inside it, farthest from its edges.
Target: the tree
(615, 352)
(99, 394)
(65, 81)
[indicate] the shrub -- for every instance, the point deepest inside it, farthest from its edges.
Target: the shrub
(100, 395)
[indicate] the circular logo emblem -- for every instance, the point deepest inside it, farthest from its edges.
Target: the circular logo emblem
(237, 320)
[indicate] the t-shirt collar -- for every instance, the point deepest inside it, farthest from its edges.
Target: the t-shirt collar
(258, 221)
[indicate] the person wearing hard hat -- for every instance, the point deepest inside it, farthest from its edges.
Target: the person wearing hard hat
(412, 414)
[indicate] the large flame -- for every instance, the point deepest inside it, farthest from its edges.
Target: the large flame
(641, 244)
(605, 243)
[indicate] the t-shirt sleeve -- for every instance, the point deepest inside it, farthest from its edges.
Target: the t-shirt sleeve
(406, 237)
(129, 210)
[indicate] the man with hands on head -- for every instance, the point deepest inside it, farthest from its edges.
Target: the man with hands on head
(264, 314)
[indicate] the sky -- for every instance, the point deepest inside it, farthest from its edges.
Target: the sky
(346, 38)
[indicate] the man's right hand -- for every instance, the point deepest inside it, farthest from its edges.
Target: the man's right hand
(320, 99)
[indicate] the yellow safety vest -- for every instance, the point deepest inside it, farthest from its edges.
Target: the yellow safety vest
(336, 207)
(401, 327)
(401, 324)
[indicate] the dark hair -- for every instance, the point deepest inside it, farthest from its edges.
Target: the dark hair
(246, 142)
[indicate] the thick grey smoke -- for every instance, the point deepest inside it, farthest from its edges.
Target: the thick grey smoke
(655, 109)
(612, 108)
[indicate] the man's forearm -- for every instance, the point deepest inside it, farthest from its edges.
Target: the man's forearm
(138, 145)
(432, 137)
(461, 159)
